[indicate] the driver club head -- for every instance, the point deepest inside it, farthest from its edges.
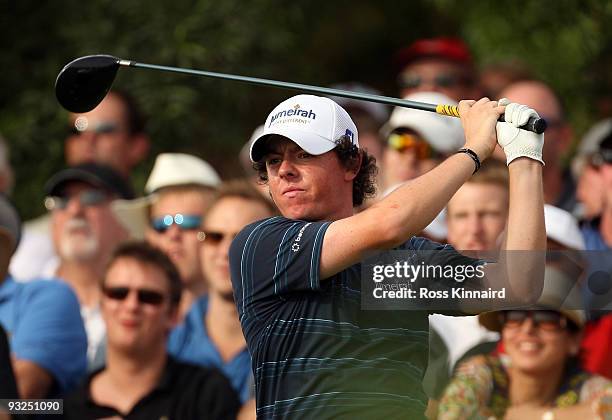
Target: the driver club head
(84, 82)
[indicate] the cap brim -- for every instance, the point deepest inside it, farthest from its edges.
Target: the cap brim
(58, 181)
(309, 142)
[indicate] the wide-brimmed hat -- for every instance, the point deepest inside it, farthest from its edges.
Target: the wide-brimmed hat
(174, 169)
(557, 290)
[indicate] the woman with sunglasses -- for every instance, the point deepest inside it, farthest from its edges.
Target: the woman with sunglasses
(537, 377)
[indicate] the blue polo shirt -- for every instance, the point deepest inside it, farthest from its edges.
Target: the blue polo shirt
(189, 342)
(44, 325)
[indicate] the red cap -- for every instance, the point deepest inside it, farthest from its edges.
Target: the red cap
(452, 49)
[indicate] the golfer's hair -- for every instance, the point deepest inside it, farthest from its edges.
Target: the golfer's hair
(364, 184)
(146, 254)
(135, 119)
(241, 188)
(492, 171)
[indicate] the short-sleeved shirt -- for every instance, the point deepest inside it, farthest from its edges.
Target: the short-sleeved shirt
(189, 342)
(316, 353)
(43, 322)
(184, 391)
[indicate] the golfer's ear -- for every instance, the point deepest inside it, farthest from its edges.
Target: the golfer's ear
(354, 167)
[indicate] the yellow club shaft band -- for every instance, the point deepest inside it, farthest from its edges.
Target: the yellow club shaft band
(450, 110)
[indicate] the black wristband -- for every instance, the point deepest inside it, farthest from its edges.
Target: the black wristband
(474, 157)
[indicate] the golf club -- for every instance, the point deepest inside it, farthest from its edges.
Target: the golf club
(83, 83)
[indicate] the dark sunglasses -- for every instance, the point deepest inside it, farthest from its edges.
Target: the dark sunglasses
(87, 198)
(149, 297)
(182, 221)
(214, 238)
(104, 127)
(544, 320)
(412, 81)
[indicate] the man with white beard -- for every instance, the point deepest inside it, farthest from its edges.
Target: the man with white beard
(85, 231)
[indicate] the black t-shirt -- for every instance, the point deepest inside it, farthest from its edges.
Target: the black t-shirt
(315, 352)
(184, 392)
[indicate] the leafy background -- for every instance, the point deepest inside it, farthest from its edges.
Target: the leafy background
(565, 42)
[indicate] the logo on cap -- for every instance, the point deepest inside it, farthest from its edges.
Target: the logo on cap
(350, 135)
(295, 112)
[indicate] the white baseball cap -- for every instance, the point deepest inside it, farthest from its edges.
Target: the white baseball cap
(313, 122)
(563, 228)
(172, 169)
(590, 144)
(378, 111)
(444, 134)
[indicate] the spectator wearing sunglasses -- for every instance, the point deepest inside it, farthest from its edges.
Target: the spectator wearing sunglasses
(41, 318)
(538, 377)
(211, 333)
(181, 187)
(436, 65)
(585, 169)
(141, 292)
(417, 141)
(597, 232)
(113, 134)
(86, 226)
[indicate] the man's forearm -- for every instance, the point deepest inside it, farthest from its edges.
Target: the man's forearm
(410, 208)
(32, 380)
(526, 229)
(525, 238)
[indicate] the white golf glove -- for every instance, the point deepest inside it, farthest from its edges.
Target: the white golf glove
(516, 142)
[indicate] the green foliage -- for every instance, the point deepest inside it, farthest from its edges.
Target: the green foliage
(316, 42)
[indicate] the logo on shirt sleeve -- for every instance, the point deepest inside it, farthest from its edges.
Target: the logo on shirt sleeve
(295, 246)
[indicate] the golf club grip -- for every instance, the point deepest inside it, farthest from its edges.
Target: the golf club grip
(536, 125)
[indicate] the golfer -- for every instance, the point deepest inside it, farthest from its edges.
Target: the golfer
(297, 278)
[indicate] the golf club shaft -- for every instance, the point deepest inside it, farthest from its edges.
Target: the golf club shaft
(287, 85)
(537, 125)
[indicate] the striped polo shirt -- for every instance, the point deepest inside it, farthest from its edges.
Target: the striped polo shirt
(315, 352)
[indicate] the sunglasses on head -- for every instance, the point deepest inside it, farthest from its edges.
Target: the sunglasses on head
(87, 198)
(403, 142)
(544, 320)
(413, 81)
(81, 126)
(146, 296)
(213, 237)
(182, 221)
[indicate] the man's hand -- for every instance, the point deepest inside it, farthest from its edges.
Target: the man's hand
(516, 142)
(479, 119)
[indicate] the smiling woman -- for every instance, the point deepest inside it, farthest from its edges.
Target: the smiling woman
(538, 376)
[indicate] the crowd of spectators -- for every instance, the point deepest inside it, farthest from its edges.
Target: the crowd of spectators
(121, 303)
